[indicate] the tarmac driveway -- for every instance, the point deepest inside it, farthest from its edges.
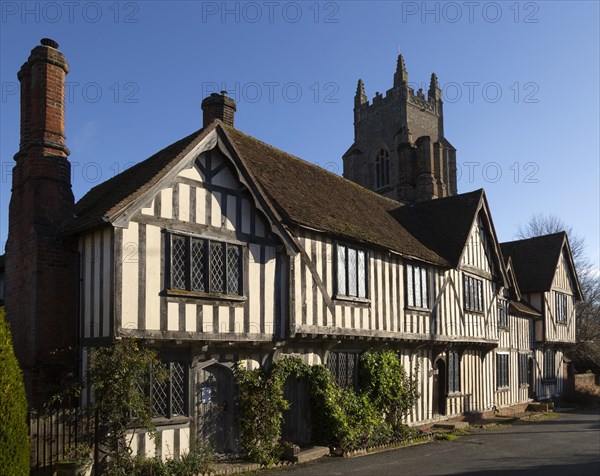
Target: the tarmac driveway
(566, 445)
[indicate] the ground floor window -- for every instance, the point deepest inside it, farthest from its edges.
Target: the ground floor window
(344, 368)
(549, 365)
(453, 372)
(169, 398)
(523, 360)
(501, 370)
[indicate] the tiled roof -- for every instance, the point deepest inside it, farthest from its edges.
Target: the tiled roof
(304, 195)
(444, 224)
(107, 198)
(534, 260)
(310, 196)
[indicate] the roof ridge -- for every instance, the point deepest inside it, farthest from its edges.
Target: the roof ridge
(227, 128)
(532, 238)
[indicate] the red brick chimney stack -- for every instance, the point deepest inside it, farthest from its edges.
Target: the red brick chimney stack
(218, 106)
(41, 263)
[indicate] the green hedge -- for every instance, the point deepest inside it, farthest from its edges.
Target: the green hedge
(14, 440)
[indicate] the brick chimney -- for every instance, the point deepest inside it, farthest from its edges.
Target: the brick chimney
(218, 106)
(41, 264)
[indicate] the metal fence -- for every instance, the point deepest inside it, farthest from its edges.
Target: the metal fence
(52, 431)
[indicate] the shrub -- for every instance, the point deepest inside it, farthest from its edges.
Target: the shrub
(14, 440)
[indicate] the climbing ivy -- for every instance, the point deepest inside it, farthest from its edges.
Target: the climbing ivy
(385, 383)
(342, 418)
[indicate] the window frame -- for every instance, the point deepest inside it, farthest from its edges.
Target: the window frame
(345, 293)
(350, 377)
(169, 414)
(502, 371)
(560, 307)
(453, 372)
(473, 296)
(503, 317)
(207, 265)
(410, 288)
(549, 375)
(523, 369)
(382, 168)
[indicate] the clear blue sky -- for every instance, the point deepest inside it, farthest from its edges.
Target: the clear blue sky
(520, 80)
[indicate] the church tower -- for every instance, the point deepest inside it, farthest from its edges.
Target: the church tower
(399, 147)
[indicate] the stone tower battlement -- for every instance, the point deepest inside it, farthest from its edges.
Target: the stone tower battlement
(399, 146)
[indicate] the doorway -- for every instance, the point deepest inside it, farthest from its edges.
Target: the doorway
(439, 387)
(216, 422)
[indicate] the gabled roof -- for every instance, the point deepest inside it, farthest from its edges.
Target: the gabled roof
(535, 260)
(442, 225)
(103, 201)
(301, 194)
(309, 196)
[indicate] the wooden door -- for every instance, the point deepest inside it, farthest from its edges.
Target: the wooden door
(216, 422)
(297, 420)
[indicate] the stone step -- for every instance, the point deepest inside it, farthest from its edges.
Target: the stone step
(451, 425)
(312, 453)
(540, 406)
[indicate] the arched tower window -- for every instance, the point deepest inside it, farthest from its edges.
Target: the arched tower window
(382, 168)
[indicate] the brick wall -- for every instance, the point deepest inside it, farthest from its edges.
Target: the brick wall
(41, 263)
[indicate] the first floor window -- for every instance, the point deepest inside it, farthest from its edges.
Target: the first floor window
(344, 368)
(417, 289)
(199, 264)
(523, 361)
(453, 372)
(560, 301)
(549, 365)
(501, 370)
(351, 272)
(169, 398)
(502, 313)
(473, 294)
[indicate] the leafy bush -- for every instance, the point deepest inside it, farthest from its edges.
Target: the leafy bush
(119, 375)
(14, 439)
(385, 383)
(341, 418)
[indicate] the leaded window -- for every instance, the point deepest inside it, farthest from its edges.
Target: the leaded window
(198, 264)
(453, 372)
(473, 288)
(344, 368)
(351, 272)
(501, 370)
(549, 365)
(523, 371)
(502, 313)
(560, 304)
(417, 289)
(168, 398)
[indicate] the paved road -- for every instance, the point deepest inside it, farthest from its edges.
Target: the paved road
(566, 445)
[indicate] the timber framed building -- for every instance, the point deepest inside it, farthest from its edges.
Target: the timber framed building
(221, 248)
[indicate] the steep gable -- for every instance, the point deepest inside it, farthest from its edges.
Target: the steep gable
(535, 261)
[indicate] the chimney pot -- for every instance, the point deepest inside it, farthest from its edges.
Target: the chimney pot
(49, 42)
(218, 106)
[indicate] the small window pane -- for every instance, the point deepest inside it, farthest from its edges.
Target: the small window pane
(233, 269)
(217, 267)
(418, 288)
(341, 270)
(198, 274)
(362, 275)
(352, 266)
(178, 263)
(423, 287)
(177, 389)
(410, 285)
